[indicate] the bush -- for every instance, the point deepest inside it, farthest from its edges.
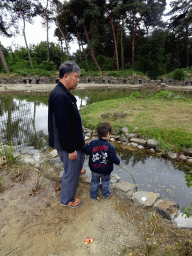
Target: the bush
(178, 74)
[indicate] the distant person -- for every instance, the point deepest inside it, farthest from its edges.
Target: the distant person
(102, 156)
(66, 131)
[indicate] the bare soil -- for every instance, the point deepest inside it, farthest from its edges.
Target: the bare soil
(32, 221)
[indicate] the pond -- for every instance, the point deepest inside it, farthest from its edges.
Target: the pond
(151, 173)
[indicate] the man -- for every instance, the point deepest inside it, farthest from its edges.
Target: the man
(66, 131)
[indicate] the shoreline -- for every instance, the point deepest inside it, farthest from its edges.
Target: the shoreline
(8, 88)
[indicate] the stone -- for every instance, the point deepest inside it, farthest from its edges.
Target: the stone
(145, 199)
(105, 115)
(138, 141)
(134, 145)
(112, 139)
(167, 208)
(124, 130)
(172, 155)
(188, 152)
(61, 174)
(53, 153)
(16, 154)
(181, 221)
(152, 150)
(140, 147)
(152, 143)
(125, 189)
(123, 138)
(87, 178)
(28, 159)
(88, 134)
(131, 135)
(87, 138)
(182, 157)
(115, 178)
(189, 161)
(121, 115)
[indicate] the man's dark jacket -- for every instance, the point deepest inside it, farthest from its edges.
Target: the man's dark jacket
(64, 122)
(102, 156)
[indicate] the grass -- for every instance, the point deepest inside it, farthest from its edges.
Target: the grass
(166, 119)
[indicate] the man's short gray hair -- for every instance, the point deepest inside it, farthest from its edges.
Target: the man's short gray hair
(68, 67)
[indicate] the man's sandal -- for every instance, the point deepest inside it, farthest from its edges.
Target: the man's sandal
(75, 203)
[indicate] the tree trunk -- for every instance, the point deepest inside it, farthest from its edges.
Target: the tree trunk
(133, 41)
(47, 23)
(4, 61)
(26, 41)
(92, 51)
(114, 36)
(64, 39)
(187, 45)
(122, 47)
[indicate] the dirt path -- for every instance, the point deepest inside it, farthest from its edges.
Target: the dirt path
(38, 225)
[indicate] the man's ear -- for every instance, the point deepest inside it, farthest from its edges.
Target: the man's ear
(65, 75)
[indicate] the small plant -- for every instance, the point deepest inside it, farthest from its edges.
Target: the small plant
(178, 74)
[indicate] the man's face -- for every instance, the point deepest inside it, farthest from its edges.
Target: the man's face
(73, 80)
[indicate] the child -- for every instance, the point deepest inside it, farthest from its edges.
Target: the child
(102, 156)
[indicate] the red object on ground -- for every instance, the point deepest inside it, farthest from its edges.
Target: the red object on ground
(88, 240)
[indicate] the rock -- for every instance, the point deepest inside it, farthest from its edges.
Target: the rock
(131, 135)
(167, 208)
(115, 178)
(112, 139)
(87, 178)
(145, 199)
(125, 130)
(152, 150)
(87, 138)
(138, 141)
(105, 115)
(152, 143)
(116, 115)
(125, 189)
(188, 152)
(124, 143)
(189, 161)
(123, 138)
(140, 147)
(53, 153)
(134, 145)
(16, 154)
(172, 155)
(28, 159)
(181, 221)
(88, 134)
(182, 157)
(61, 174)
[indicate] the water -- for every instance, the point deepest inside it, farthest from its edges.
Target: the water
(151, 173)
(155, 174)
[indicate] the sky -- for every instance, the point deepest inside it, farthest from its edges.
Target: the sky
(36, 33)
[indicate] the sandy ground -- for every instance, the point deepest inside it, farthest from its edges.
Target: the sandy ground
(32, 222)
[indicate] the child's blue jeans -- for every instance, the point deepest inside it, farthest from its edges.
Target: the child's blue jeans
(105, 183)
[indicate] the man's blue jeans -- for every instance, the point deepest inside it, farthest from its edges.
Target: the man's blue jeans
(71, 173)
(105, 183)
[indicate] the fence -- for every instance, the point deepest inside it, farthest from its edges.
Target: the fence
(16, 125)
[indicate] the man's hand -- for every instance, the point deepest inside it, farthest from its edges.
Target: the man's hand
(119, 164)
(73, 155)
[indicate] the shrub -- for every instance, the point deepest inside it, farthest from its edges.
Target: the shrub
(178, 74)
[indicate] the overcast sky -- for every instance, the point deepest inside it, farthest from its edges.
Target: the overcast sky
(36, 33)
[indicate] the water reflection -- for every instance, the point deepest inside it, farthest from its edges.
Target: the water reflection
(26, 123)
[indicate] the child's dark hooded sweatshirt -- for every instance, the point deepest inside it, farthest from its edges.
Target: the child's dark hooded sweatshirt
(102, 156)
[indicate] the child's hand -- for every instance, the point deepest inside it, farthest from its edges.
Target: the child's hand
(119, 164)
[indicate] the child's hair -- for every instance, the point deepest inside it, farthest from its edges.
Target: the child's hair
(103, 129)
